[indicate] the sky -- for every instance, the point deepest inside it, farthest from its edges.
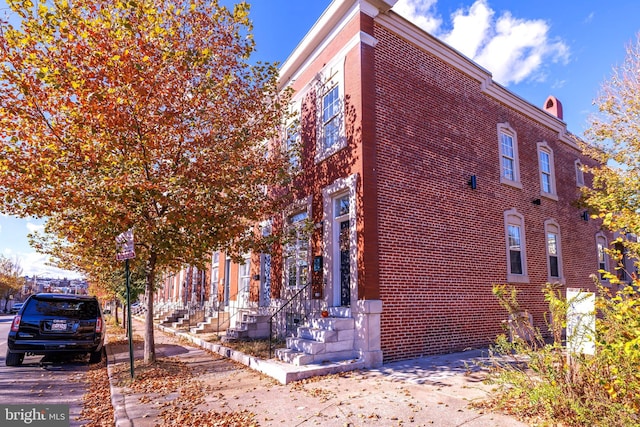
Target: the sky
(533, 48)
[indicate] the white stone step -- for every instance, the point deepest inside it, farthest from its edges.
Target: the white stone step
(297, 358)
(320, 335)
(333, 323)
(335, 356)
(305, 345)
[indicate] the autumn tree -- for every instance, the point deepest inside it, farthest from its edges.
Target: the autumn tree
(11, 280)
(143, 115)
(615, 141)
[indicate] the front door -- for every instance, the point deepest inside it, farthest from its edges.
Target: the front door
(345, 265)
(341, 248)
(227, 282)
(265, 280)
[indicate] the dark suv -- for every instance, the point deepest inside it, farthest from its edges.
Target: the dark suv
(55, 324)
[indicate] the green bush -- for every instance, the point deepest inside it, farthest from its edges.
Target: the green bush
(541, 382)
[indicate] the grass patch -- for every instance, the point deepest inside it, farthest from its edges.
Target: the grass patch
(257, 348)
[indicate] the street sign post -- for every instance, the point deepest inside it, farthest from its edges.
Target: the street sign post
(125, 251)
(125, 246)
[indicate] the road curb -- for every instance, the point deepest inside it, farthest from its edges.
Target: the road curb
(120, 415)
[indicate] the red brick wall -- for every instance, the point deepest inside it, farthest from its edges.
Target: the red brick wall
(442, 244)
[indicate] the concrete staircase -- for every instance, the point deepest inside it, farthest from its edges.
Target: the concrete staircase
(172, 317)
(186, 320)
(212, 324)
(251, 326)
(324, 340)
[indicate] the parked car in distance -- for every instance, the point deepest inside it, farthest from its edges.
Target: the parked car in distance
(56, 324)
(15, 308)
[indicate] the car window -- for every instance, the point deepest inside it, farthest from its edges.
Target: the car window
(63, 308)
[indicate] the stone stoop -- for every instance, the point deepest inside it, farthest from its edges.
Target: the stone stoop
(211, 324)
(160, 314)
(173, 317)
(184, 321)
(324, 340)
(252, 326)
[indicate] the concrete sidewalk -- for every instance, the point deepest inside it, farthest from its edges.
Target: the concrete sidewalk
(430, 391)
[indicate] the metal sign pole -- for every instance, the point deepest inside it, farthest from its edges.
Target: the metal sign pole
(126, 251)
(129, 320)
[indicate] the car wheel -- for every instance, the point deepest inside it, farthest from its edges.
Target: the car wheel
(14, 359)
(95, 356)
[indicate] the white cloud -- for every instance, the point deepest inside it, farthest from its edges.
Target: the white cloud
(419, 12)
(32, 227)
(589, 18)
(470, 30)
(512, 49)
(35, 264)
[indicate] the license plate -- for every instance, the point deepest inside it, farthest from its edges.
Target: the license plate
(59, 326)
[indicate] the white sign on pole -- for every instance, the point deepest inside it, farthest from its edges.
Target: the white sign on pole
(124, 246)
(581, 321)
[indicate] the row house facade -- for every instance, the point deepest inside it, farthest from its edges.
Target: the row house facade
(422, 184)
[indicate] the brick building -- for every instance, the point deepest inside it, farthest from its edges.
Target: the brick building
(423, 183)
(438, 181)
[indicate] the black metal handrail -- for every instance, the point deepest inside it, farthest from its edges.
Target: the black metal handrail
(294, 312)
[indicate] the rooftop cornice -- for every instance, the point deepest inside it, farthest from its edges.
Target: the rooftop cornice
(332, 19)
(488, 86)
(340, 12)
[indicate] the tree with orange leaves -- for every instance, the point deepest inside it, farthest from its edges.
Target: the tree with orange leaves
(143, 114)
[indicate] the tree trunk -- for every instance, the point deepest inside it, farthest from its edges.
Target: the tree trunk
(149, 342)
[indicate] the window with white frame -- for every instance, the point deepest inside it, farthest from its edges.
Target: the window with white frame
(331, 115)
(244, 275)
(215, 274)
(215, 268)
(292, 145)
(509, 164)
(579, 174)
(291, 138)
(296, 256)
(601, 245)
(516, 247)
(547, 171)
(554, 253)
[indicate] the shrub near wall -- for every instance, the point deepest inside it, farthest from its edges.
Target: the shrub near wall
(539, 382)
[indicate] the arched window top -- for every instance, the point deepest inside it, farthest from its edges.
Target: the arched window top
(515, 242)
(508, 149)
(546, 166)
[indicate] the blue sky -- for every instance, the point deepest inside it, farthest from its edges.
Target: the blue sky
(534, 48)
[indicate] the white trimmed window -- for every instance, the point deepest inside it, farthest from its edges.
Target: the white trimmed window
(215, 274)
(579, 174)
(296, 251)
(331, 132)
(601, 245)
(547, 171)
(509, 164)
(292, 145)
(291, 142)
(331, 117)
(516, 247)
(244, 274)
(554, 252)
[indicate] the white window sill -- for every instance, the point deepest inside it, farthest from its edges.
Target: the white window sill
(515, 184)
(517, 278)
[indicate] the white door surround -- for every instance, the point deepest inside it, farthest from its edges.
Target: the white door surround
(344, 190)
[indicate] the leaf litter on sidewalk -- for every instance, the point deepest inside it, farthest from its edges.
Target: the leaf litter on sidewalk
(172, 387)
